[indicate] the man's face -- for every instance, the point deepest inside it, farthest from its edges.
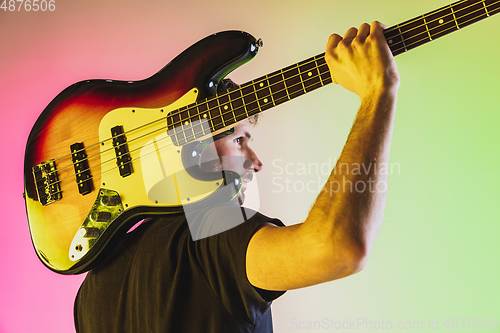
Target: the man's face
(235, 154)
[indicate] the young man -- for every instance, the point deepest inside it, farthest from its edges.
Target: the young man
(163, 281)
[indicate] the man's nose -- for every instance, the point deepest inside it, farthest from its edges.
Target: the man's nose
(253, 161)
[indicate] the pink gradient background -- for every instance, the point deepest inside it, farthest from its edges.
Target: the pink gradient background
(42, 53)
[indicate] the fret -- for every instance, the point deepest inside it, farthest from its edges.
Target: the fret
(454, 17)
(175, 121)
(203, 121)
(469, 12)
(231, 106)
(493, 6)
(300, 77)
(205, 114)
(402, 38)
(264, 95)
(317, 70)
(284, 83)
(256, 96)
(170, 126)
(215, 114)
(441, 22)
(189, 122)
(485, 8)
(172, 123)
(195, 121)
(309, 74)
(292, 80)
(427, 27)
(269, 90)
(414, 33)
(395, 41)
(277, 87)
(228, 117)
(184, 116)
(250, 99)
(181, 134)
(238, 105)
(325, 76)
(221, 113)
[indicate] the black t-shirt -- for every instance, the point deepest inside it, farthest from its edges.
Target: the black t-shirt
(163, 281)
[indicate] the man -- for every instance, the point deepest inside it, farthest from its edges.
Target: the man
(162, 281)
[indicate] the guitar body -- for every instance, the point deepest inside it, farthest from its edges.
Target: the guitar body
(99, 156)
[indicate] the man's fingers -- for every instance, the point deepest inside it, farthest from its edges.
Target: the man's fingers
(350, 35)
(379, 24)
(334, 40)
(377, 27)
(363, 32)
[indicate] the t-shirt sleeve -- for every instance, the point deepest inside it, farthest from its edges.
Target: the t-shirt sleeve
(222, 258)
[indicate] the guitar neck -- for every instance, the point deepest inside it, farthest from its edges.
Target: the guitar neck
(423, 29)
(251, 98)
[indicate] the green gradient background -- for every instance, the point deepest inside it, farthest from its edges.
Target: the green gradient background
(436, 257)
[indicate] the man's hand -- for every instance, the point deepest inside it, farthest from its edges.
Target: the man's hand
(362, 62)
(338, 235)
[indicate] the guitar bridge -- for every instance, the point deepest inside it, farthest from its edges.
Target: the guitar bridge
(47, 183)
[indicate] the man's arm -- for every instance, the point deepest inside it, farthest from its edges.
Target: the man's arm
(338, 235)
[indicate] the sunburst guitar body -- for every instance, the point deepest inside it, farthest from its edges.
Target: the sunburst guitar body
(102, 153)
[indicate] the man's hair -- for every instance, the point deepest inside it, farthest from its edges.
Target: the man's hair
(227, 85)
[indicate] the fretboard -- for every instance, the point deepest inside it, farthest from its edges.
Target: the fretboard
(438, 23)
(226, 109)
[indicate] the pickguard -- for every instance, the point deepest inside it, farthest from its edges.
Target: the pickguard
(159, 176)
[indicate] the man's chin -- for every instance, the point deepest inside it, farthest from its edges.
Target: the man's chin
(240, 197)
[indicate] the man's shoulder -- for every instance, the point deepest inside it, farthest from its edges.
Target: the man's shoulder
(220, 219)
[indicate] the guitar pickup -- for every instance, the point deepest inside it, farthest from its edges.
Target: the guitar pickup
(123, 160)
(81, 165)
(47, 183)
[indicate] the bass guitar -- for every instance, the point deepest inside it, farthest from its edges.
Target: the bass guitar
(102, 153)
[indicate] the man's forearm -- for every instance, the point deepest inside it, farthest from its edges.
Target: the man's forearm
(350, 209)
(337, 236)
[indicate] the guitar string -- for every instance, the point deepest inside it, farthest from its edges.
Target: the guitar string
(257, 101)
(150, 133)
(319, 58)
(446, 30)
(409, 22)
(197, 105)
(285, 98)
(187, 108)
(387, 30)
(218, 107)
(449, 7)
(492, 12)
(426, 39)
(161, 129)
(394, 28)
(208, 110)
